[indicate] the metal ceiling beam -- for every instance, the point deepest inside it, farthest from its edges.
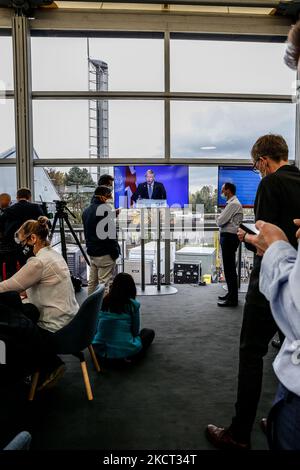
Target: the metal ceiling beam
(187, 96)
(87, 162)
(95, 20)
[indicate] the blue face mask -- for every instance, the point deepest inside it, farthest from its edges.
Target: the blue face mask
(223, 196)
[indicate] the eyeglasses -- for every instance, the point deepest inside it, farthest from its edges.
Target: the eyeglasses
(254, 166)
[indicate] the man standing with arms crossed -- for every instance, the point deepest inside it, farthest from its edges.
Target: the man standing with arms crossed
(229, 221)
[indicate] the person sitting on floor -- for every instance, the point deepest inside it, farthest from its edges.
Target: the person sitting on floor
(118, 334)
(46, 282)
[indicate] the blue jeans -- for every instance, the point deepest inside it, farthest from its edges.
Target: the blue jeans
(283, 427)
(20, 442)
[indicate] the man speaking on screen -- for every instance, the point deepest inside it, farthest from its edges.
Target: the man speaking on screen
(150, 189)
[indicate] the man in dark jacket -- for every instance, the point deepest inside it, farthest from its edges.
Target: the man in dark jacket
(101, 238)
(278, 202)
(14, 216)
(151, 189)
(8, 258)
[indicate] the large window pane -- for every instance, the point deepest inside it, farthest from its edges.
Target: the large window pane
(203, 187)
(227, 130)
(7, 127)
(127, 129)
(76, 185)
(6, 63)
(128, 64)
(73, 184)
(229, 67)
(203, 183)
(8, 180)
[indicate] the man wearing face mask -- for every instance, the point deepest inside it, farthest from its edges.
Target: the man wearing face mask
(229, 221)
(8, 250)
(101, 238)
(278, 202)
(15, 215)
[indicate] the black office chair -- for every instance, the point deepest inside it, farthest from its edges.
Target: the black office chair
(77, 336)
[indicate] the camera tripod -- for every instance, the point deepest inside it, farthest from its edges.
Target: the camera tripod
(62, 216)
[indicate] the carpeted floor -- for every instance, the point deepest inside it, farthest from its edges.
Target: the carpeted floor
(187, 380)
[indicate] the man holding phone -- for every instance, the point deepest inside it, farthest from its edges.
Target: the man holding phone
(229, 221)
(278, 202)
(249, 228)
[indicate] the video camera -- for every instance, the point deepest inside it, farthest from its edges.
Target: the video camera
(59, 204)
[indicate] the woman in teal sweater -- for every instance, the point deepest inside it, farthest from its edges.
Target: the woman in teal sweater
(118, 334)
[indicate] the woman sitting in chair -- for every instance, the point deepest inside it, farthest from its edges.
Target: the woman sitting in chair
(118, 335)
(46, 282)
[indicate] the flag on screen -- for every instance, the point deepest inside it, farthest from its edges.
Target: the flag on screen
(130, 183)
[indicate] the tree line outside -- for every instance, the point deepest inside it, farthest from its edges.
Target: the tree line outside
(76, 187)
(208, 196)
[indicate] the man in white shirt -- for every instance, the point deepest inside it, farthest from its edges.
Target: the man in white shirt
(229, 221)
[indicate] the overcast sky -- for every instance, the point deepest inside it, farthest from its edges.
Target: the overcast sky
(61, 129)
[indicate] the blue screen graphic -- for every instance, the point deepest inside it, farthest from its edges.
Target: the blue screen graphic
(175, 179)
(246, 181)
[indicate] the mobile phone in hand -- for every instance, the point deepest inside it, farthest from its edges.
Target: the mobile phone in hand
(249, 228)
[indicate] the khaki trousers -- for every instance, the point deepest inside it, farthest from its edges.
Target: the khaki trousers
(101, 272)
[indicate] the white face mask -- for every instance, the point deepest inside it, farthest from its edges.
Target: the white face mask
(263, 171)
(223, 196)
(262, 175)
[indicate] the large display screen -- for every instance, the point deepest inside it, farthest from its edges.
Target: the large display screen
(245, 179)
(170, 185)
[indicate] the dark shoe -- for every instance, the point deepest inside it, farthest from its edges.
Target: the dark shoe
(228, 303)
(263, 425)
(52, 378)
(276, 344)
(223, 297)
(222, 438)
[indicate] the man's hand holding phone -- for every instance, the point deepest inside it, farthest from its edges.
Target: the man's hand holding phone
(241, 234)
(244, 229)
(268, 234)
(249, 228)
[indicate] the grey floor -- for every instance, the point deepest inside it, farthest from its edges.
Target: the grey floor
(187, 380)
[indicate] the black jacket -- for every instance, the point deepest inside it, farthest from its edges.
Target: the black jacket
(159, 191)
(278, 202)
(19, 334)
(96, 246)
(15, 216)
